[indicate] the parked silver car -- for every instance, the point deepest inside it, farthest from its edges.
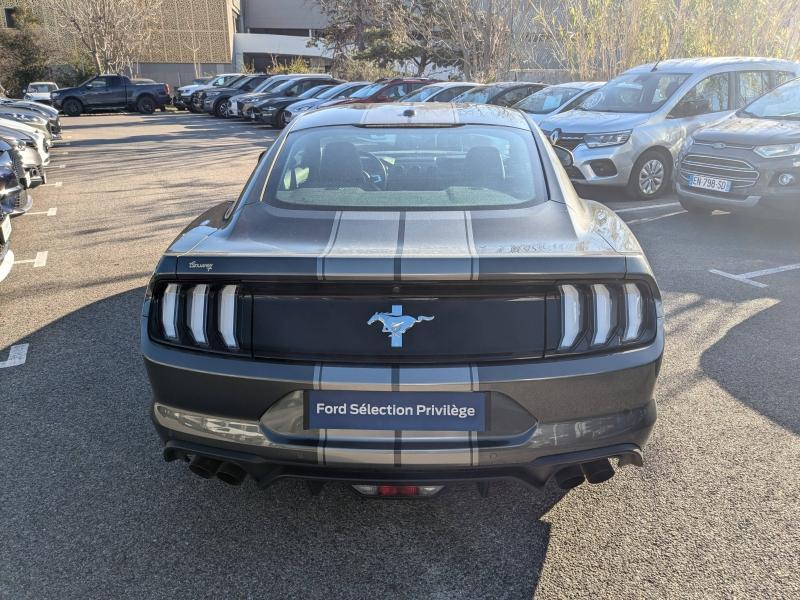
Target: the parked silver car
(630, 131)
(556, 99)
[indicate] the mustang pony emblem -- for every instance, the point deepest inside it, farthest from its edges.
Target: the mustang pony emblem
(395, 323)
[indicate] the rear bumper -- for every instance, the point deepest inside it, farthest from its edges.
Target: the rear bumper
(598, 406)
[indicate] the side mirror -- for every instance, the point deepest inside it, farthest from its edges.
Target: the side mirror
(564, 156)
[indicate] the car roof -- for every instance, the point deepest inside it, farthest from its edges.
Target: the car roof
(47, 82)
(581, 85)
(425, 114)
(697, 65)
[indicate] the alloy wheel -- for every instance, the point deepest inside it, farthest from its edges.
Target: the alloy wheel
(651, 177)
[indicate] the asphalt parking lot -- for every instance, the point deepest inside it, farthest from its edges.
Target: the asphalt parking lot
(90, 510)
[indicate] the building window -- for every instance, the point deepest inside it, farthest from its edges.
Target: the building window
(237, 22)
(281, 31)
(9, 15)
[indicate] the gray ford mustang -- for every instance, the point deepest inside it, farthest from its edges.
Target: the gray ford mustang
(405, 295)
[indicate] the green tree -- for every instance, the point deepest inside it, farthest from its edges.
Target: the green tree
(24, 54)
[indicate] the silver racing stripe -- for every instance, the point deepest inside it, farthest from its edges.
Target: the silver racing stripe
(442, 238)
(364, 246)
(337, 220)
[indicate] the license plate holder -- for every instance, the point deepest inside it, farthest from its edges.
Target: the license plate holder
(410, 411)
(716, 184)
(5, 229)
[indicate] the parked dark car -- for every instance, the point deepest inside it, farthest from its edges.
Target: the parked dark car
(181, 99)
(343, 90)
(405, 295)
(385, 90)
(215, 100)
(443, 91)
(555, 99)
(111, 92)
(273, 110)
(293, 87)
(198, 96)
(748, 162)
(505, 93)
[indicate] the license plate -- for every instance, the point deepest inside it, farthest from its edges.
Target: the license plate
(5, 229)
(411, 411)
(710, 183)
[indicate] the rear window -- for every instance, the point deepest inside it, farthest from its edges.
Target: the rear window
(461, 167)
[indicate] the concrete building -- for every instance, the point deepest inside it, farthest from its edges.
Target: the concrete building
(204, 37)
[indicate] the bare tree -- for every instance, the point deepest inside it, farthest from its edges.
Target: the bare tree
(487, 36)
(115, 33)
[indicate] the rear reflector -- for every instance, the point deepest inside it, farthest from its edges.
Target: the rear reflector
(398, 491)
(634, 312)
(227, 316)
(169, 311)
(571, 309)
(197, 313)
(602, 313)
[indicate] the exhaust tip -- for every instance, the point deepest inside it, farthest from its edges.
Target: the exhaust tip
(598, 471)
(569, 477)
(231, 474)
(204, 467)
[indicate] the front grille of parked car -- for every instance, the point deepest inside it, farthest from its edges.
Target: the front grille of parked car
(468, 322)
(741, 173)
(570, 141)
(16, 160)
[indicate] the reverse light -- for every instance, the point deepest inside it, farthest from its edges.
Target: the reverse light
(600, 140)
(169, 311)
(571, 311)
(197, 313)
(634, 312)
(602, 312)
(227, 316)
(777, 150)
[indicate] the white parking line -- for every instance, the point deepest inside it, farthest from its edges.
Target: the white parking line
(39, 261)
(649, 207)
(648, 219)
(56, 184)
(50, 212)
(61, 167)
(748, 277)
(17, 355)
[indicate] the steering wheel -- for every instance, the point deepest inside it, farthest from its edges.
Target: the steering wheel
(380, 182)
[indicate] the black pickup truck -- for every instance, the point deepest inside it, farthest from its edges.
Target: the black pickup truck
(111, 92)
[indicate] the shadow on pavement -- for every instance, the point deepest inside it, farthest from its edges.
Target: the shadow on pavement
(104, 516)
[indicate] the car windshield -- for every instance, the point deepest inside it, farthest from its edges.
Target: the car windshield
(313, 92)
(42, 88)
(422, 93)
(240, 82)
(368, 91)
(782, 103)
(547, 100)
(477, 95)
(457, 168)
(201, 80)
(334, 91)
(268, 85)
(635, 93)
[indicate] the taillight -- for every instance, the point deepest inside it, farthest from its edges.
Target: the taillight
(602, 316)
(167, 89)
(201, 315)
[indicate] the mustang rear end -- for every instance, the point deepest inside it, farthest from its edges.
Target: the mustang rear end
(404, 296)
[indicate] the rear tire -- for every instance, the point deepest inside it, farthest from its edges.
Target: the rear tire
(146, 105)
(651, 176)
(73, 108)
